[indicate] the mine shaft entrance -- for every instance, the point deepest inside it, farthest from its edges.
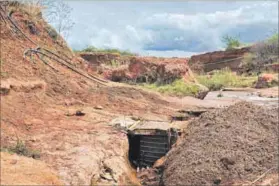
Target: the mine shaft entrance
(145, 149)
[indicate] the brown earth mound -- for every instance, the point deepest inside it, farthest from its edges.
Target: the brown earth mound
(222, 147)
(220, 59)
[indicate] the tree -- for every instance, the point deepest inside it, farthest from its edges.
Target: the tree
(59, 14)
(231, 42)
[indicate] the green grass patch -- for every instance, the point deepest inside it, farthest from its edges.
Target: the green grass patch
(225, 78)
(177, 88)
(21, 149)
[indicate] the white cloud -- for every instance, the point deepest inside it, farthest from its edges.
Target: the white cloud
(171, 29)
(104, 38)
(205, 30)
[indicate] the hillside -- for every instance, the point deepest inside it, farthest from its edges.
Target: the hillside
(43, 92)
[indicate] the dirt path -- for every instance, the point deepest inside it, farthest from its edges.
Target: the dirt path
(266, 97)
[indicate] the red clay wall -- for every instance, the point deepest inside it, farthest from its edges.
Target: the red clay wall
(220, 59)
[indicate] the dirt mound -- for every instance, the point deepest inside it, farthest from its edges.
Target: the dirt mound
(238, 143)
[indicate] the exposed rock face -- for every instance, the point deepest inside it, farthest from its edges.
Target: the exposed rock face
(160, 70)
(144, 70)
(220, 59)
(138, 69)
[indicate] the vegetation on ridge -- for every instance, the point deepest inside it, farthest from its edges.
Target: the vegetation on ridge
(107, 50)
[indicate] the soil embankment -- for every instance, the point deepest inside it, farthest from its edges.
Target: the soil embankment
(219, 59)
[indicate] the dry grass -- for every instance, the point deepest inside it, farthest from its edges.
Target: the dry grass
(31, 7)
(177, 88)
(225, 78)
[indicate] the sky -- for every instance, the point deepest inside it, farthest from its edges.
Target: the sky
(169, 28)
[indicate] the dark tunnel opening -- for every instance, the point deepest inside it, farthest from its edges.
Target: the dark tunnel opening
(134, 149)
(145, 150)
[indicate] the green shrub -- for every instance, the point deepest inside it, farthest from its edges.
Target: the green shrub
(177, 88)
(90, 49)
(21, 149)
(231, 42)
(225, 78)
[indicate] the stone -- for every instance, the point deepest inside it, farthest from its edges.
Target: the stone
(160, 162)
(13, 161)
(98, 107)
(79, 113)
(123, 122)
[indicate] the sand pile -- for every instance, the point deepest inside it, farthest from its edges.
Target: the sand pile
(236, 144)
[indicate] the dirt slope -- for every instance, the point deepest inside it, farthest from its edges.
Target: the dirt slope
(38, 106)
(224, 147)
(20, 170)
